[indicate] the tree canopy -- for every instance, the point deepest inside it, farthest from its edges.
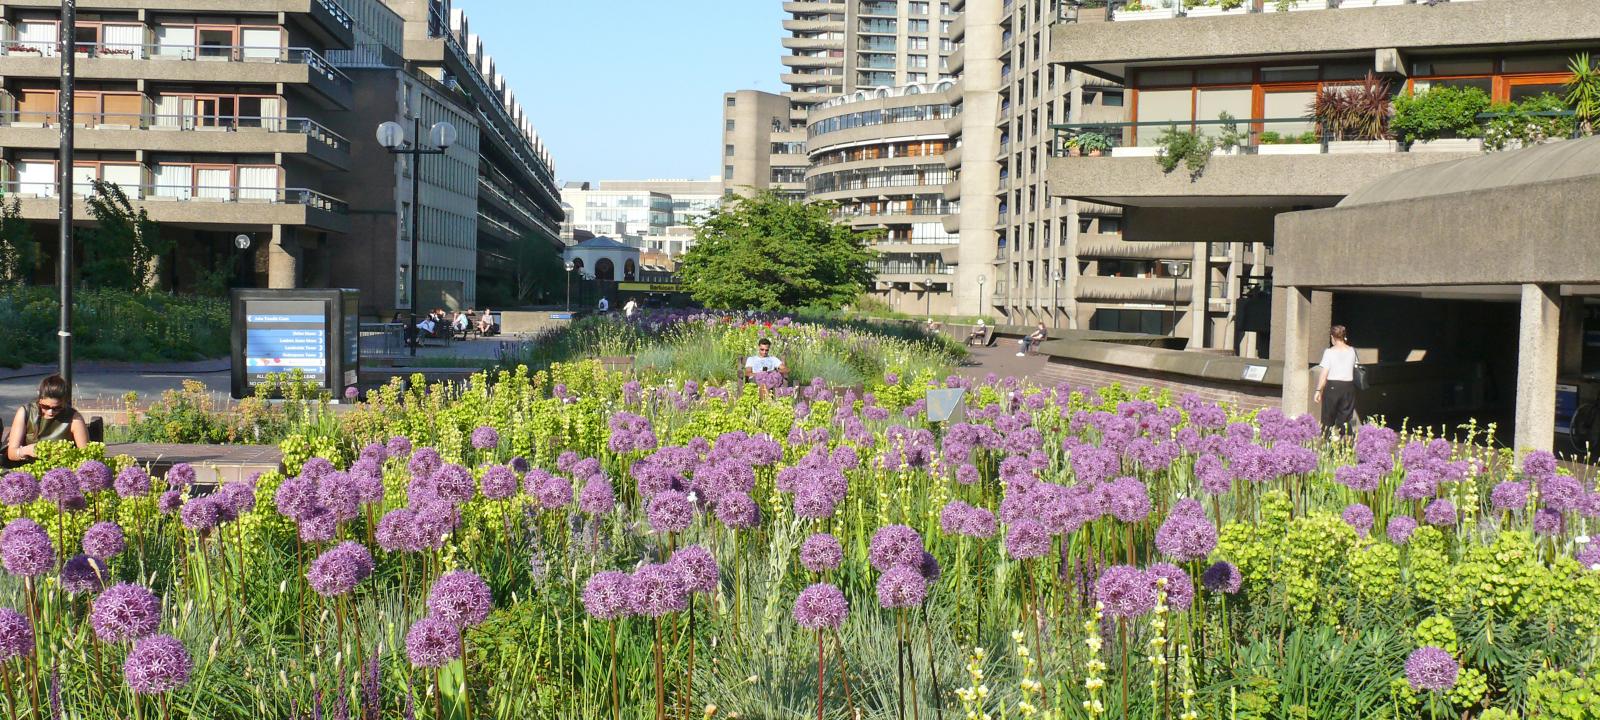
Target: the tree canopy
(769, 253)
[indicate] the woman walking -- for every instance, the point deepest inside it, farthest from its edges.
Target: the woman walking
(1336, 384)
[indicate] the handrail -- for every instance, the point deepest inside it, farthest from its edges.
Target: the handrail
(338, 13)
(198, 193)
(188, 121)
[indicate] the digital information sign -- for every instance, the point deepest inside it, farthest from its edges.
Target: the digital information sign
(283, 336)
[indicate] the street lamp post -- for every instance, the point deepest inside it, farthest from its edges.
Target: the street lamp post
(68, 50)
(1174, 268)
(568, 265)
(1055, 309)
(981, 280)
(927, 293)
(392, 137)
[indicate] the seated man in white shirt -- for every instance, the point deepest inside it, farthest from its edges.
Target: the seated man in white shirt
(763, 361)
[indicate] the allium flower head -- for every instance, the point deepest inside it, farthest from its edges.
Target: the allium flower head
(170, 502)
(1186, 535)
(598, 496)
(83, 574)
(1509, 496)
(1430, 668)
(454, 483)
(201, 514)
(670, 511)
(296, 497)
(499, 482)
(1027, 539)
(1128, 500)
(1125, 591)
(1400, 529)
(737, 510)
(1548, 522)
(821, 552)
(60, 486)
(156, 664)
(25, 549)
(1559, 492)
(124, 612)
(94, 476)
(339, 570)
(656, 590)
(104, 540)
(1358, 516)
(699, 569)
(605, 596)
(133, 481)
(1440, 512)
(820, 606)
(485, 438)
(895, 546)
(1179, 588)
(16, 635)
(398, 446)
(460, 598)
(18, 488)
(183, 475)
(424, 463)
(1539, 465)
(432, 643)
(902, 586)
(397, 531)
(1222, 577)
(1587, 556)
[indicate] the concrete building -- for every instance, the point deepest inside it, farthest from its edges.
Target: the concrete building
(763, 145)
(879, 154)
(217, 125)
(691, 199)
(1438, 356)
(639, 212)
(648, 214)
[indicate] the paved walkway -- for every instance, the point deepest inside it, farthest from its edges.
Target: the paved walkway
(1001, 360)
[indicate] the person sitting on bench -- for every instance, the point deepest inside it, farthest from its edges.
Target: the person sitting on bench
(978, 333)
(49, 417)
(763, 361)
(1033, 339)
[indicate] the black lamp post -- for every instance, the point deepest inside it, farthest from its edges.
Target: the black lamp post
(393, 138)
(65, 117)
(927, 293)
(1055, 309)
(569, 266)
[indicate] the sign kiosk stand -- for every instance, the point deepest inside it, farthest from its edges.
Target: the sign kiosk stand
(317, 332)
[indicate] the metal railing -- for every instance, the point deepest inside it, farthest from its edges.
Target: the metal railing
(189, 193)
(339, 15)
(192, 122)
(192, 53)
(1114, 10)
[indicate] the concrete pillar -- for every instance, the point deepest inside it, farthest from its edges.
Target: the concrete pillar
(1298, 329)
(1538, 354)
(980, 91)
(1199, 298)
(283, 260)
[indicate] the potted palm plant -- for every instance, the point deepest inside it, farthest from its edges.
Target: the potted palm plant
(1093, 144)
(1355, 118)
(1583, 93)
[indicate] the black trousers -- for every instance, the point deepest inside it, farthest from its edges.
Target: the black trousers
(1339, 405)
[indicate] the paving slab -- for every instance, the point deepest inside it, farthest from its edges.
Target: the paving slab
(213, 464)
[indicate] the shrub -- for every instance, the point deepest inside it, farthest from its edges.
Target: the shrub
(1439, 112)
(1522, 124)
(112, 325)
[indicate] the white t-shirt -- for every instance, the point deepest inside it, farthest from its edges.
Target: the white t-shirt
(604, 305)
(629, 308)
(756, 363)
(1340, 363)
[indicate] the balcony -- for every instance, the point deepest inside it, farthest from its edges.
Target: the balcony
(808, 7)
(232, 64)
(806, 78)
(812, 61)
(180, 134)
(794, 43)
(221, 207)
(958, 28)
(1169, 9)
(1277, 168)
(1113, 246)
(810, 25)
(888, 9)
(958, 59)
(1162, 290)
(952, 223)
(1109, 49)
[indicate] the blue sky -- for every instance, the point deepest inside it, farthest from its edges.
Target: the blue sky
(631, 89)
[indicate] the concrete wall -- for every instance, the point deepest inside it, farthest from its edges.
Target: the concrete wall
(979, 86)
(1242, 180)
(1094, 375)
(751, 137)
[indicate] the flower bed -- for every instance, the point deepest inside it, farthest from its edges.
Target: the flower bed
(599, 547)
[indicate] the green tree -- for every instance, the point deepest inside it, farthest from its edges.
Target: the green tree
(120, 251)
(536, 264)
(768, 253)
(18, 251)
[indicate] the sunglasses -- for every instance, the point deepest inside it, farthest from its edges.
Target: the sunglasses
(50, 409)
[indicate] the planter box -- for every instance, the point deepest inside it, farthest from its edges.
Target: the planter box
(1210, 10)
(1450, 145)
(1299, 5)
(1369, 3)
(1135, 151)
(1290, 149)
(1150, 13)
(1362, 147)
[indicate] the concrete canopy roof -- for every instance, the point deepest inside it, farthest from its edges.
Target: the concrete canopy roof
(1524, 216)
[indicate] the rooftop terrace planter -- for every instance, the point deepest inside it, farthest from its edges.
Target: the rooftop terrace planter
(1449, 145)
(1362, 147)
(1369, 3)
(1149, 10)
(1215, 7)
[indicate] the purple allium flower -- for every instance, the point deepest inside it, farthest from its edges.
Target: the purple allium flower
(296, 497)
(83, 574)
(366, 478)
(598, 496)
(902, 586)
(485, 438)
(1125, 591)
(670, 511)
(1400, 528)
(1509, 496)
(499, 483)
(820, 606)
(1587, 556)
(1027, 539)
(520, 465)
(18, 488)
(1559, 492)
(339, 570)
(156, 664)
(1440, 512)
(1548, 522)
(737, 510)
(432, 643)
(656, 590)
(376, 452)
(94, 476)
(821, 552)
(929, 567)
(953, 518)
(124, 612)
(454, 483)
(60, 486)
(1186, 535)
(1539, 465)
(16, 635)
(1180, 589)
(424, 463)
(169, 502)
(183, 475)
(460, 598)
(398, 446)
(700, 572)
(435, 520)
(605, 596)
(25, 549)
(1128, 500)
(238, 497)
(1222, 577)
(104, 540)
(397, 531)
(318, 527)
(813, 501)
(1358, 516)
(895, 546)
(201, 514)
(1430, 668)
(566, 460)
(1361, 477)
(554, 493)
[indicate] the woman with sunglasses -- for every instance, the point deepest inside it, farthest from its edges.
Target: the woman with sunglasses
(48, 418)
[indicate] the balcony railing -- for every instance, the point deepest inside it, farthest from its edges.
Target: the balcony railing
(338, 13)
(1264, 136)
(189, 53)
(190, 193)
(150, 121)
(1130, 10)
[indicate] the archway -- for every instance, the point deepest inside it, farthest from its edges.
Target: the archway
(604, 269)
(628, 270)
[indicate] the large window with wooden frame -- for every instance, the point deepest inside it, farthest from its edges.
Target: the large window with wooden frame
(207, 41)
(1285, 92)
(215, 181)
(124, 39)
(37, 176)
(219, 110)
(91, 108)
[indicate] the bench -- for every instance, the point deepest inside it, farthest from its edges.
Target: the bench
(981, 337)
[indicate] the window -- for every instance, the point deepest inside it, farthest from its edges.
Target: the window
(918, 26)
(916, 61)
(916, 43)
(727, 172)
(918, 8)
(916, 77)
(727, 150)
(730, 125)
(732, 101)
